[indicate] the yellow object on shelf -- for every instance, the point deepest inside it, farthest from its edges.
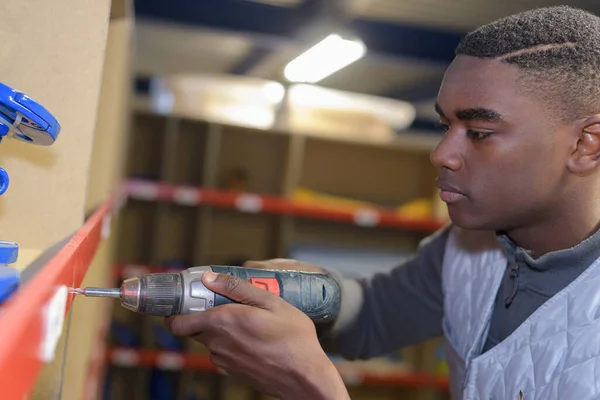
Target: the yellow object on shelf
(418, 208)
(442, 369)
(308, 196)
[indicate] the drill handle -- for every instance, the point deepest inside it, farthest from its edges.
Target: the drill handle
(318, 295)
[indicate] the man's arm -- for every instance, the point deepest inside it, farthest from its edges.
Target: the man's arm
(391, 310)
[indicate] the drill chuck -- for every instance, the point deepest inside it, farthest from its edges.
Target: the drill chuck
(165, 294)
(153, 294)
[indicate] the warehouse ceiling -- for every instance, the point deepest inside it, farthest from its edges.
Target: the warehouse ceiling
(409, 42)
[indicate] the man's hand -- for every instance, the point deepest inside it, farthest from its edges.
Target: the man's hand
(283, 264)
(264, 340)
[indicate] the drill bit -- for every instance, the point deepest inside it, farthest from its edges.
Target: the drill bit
(98, 292)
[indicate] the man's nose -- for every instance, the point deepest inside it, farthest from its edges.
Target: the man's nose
(447, 153)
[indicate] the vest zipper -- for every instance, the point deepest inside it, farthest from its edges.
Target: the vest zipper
(514, 275)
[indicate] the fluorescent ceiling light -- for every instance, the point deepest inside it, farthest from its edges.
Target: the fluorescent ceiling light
(323, 59)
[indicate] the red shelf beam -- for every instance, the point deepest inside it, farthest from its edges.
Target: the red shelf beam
(176, 361)
(167, 360)
(416, 380)
(31, 320)
(257, 203)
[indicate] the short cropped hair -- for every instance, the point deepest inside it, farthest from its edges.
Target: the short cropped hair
(557, 50)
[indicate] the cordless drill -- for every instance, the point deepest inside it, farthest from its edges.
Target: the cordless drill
(174, 293)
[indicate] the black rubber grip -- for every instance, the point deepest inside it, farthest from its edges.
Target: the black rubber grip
(318, 295)
(161, 294)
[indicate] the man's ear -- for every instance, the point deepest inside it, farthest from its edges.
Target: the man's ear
(586, 154)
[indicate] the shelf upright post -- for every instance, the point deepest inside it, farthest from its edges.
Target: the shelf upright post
(209, 180)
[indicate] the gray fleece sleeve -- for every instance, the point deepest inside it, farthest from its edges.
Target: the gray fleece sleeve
(391, 310)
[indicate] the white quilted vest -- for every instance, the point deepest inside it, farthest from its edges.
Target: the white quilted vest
(553, 355)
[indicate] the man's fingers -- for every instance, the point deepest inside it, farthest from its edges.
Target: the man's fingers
(283, 264)
(209, 321)
(264, 264)
(219, 362)
(184, 325)
(232, 287)
(238, 290)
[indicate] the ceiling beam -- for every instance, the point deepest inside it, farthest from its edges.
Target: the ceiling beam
(271, 25)
(251, 60)
(306, 14)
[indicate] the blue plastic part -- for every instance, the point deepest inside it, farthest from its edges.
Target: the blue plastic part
(9, 251)
(9, 277)
(37, 126)
(31, 123)
(4, 181)
(8, 285)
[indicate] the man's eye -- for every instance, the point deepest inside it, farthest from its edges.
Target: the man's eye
(477, 135)
(444, 127)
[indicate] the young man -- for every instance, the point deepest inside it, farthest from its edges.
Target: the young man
(514, 283)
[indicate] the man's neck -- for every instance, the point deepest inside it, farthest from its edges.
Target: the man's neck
(558, 233)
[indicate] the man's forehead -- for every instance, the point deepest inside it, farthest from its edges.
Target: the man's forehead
(478, 83)
(480, 74)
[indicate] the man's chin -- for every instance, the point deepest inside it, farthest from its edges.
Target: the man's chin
(466, 220)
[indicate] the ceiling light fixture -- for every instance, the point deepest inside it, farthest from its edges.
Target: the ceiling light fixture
(323, 59)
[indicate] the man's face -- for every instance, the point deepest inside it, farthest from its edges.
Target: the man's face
(502, 161)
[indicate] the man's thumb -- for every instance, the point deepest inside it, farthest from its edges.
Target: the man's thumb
(237, 289)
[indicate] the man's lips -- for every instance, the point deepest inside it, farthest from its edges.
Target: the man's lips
(451, 197)
(450, 193)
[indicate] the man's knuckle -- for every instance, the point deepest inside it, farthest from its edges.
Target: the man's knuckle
(248, 321)
(221, 319)
(177, 327)
(217, 361)
(226, 321)
(233, 284)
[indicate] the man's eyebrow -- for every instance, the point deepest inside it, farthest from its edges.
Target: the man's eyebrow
(438, 110)
(478, 114)
(473, 114)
